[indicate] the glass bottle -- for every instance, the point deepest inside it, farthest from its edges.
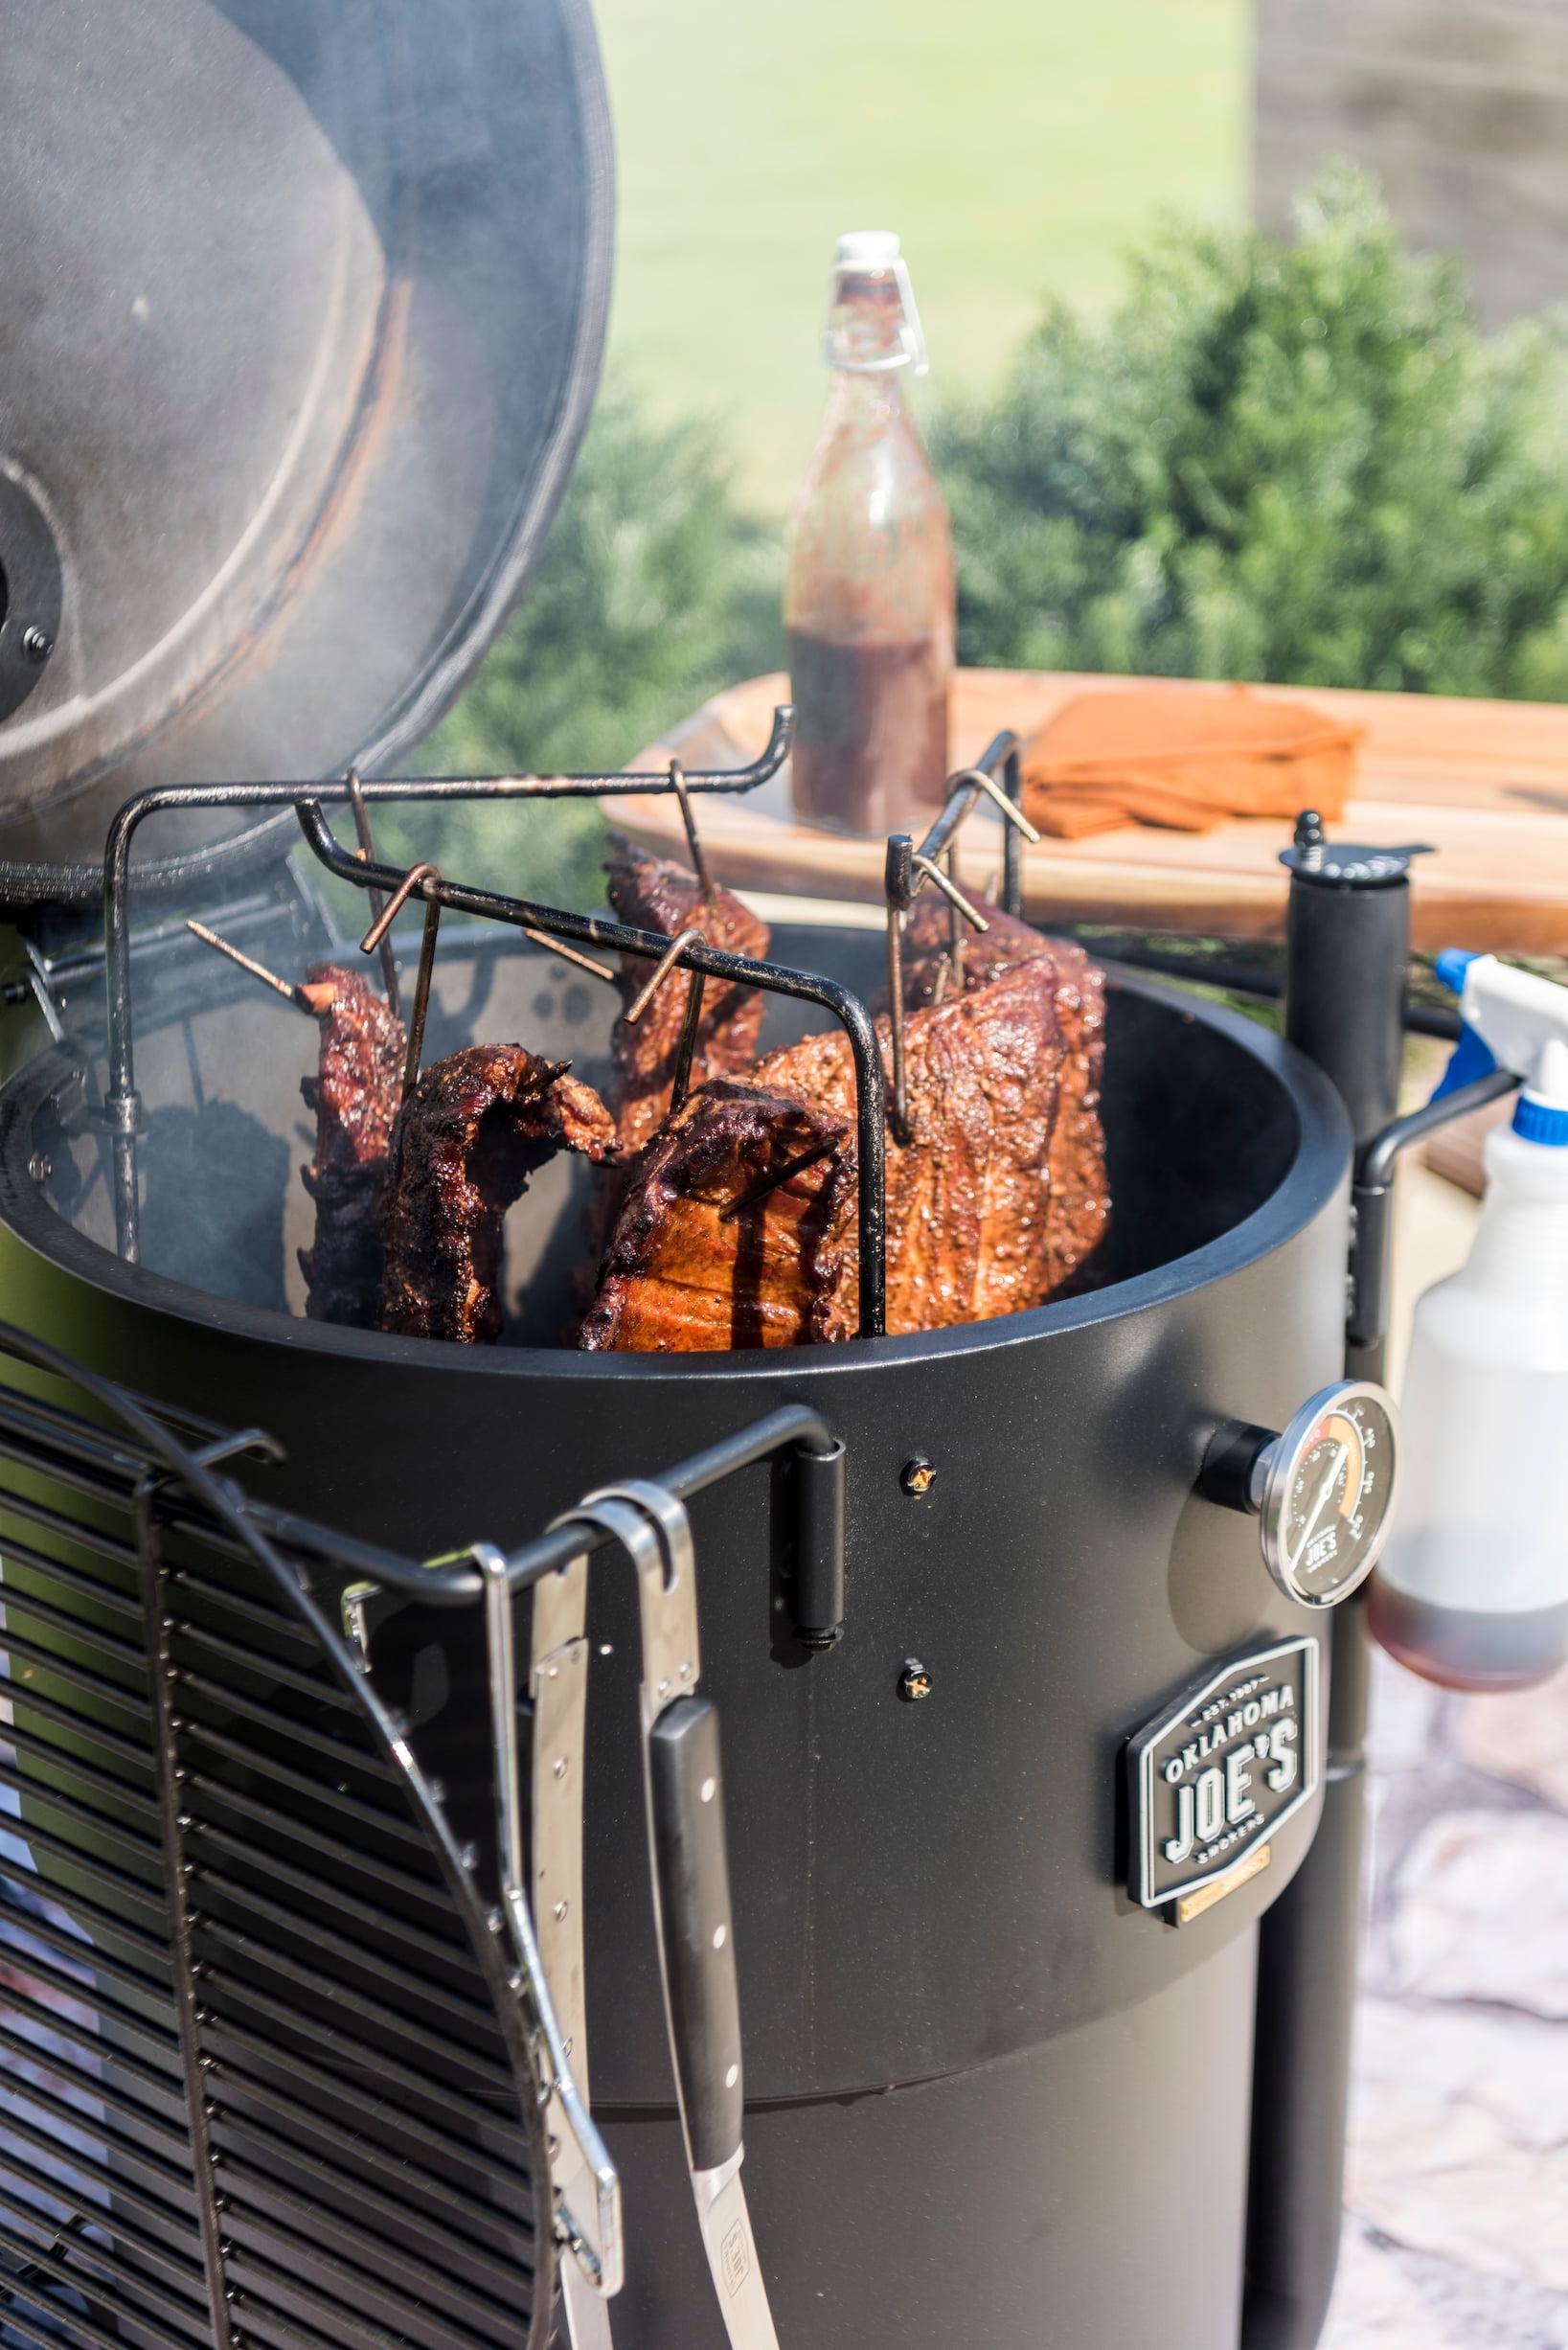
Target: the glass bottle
(869, 586)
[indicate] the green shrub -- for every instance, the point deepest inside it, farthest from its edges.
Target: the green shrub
(1293, 460)
(654, 590)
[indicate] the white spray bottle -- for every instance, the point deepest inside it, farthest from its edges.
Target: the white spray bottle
(1472, 1591)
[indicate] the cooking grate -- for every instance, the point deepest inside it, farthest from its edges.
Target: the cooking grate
(258, 2085)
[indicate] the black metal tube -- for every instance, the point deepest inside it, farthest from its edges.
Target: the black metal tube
(818, 1584)
(1347, 949)
(1307, 1953)
(714, 963)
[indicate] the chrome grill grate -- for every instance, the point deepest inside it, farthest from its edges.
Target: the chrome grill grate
(256, 2087)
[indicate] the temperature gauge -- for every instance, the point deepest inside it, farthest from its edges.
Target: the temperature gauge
(1323, 1488)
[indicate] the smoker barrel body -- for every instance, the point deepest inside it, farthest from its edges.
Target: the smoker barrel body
(990, 2098)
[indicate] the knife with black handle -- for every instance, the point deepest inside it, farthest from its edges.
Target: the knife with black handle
(691, 1906)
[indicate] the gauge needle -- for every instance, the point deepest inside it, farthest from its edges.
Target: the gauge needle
(1330, 1478)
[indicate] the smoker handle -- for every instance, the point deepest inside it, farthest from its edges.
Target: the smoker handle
(688, 1854)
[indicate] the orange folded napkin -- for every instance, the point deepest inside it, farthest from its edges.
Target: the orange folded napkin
(1153, 755)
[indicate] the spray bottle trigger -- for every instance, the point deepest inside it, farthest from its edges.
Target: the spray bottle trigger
(1470, 1058)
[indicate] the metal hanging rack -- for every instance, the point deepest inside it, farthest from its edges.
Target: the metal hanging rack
(549, 924)
(996, 776)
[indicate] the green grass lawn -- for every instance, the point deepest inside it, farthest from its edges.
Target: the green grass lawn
(1018, 147)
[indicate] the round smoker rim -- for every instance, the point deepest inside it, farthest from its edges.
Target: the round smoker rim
(1320, 1167)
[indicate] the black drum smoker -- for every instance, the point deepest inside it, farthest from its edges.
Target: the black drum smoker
(396, 1958)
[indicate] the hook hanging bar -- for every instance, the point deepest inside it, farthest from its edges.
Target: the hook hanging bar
(781, 1175)
(666, 963)
(122, 1108)
(570, 955)
(367, 851)
(694, 842)
(248, 963)
(680, 1084)
(906, 871)
(413, 880)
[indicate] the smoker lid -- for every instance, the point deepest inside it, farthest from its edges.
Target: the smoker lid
(303, 309)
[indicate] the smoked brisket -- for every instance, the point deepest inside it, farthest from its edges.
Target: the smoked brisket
(975, 1224)
(354, 1096)
(476, 1128)
(651, 893)
(693, 1267)
(1080, 1210)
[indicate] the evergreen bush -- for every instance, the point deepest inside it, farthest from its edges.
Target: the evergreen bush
(1289, 461)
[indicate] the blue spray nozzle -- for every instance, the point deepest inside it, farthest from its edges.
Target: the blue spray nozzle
(1472, 1057)
(1451, 966)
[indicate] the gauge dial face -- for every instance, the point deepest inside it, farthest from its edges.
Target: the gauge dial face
(1330, 1494)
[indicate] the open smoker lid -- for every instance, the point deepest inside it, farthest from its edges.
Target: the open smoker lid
(302, 308)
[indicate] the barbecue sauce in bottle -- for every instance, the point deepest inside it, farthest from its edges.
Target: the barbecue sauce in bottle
(869, 590)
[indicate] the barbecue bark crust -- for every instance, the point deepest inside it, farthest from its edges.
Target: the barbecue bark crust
(474, 1130)
(1001, 1191)
(354, 1096)
(652, 893)
(698, 1263)
(1080, 1205)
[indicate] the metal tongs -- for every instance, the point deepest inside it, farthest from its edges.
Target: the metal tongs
(584, 2183)
(689, 1867)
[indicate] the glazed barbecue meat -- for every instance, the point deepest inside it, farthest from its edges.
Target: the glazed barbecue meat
(692, 1267)
(650, 893)
(1080, 1196)
(476, 1128)
(354, 1096)
(987, 953)
(992, 1202)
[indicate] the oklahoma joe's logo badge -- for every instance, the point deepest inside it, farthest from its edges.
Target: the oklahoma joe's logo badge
(1211, 1781)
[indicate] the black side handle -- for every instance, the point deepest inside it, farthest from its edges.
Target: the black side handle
(819, 1557)
(693, 1869)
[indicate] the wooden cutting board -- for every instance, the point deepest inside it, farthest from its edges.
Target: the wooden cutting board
(1485, 782)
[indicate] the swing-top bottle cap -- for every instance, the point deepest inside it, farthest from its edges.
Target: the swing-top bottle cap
(876, 249)
(867, 248)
